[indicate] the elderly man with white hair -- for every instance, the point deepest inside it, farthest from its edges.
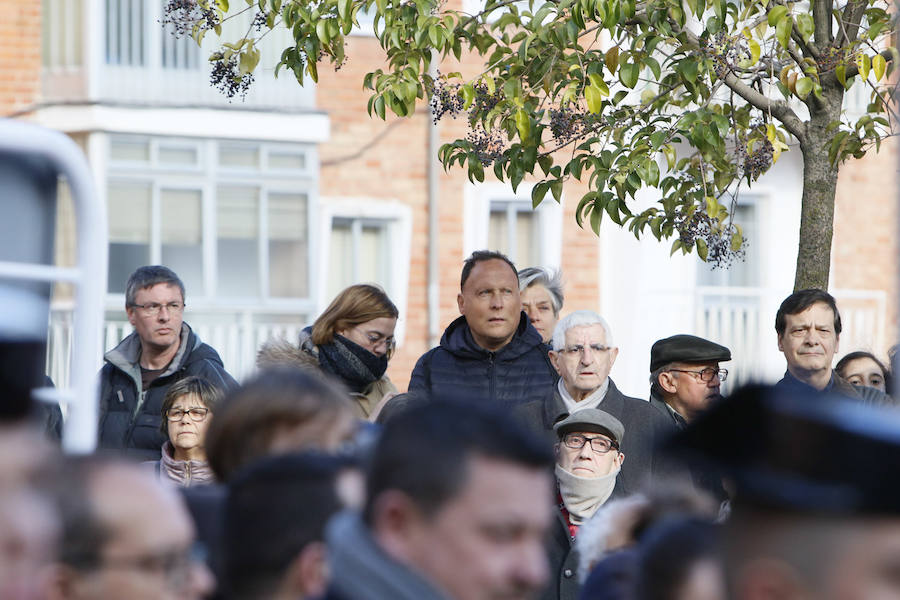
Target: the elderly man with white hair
(583, 354)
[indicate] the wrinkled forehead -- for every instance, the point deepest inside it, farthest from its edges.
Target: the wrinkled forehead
(159, 292)
(585, 335)
(817, 314)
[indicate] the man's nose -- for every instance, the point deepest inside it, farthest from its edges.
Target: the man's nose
(532, 570)
(586, 451)
(497, 300)
(202, 580)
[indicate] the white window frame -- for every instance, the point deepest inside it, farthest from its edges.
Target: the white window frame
(477, 201)
(398, 220)
(206, 176)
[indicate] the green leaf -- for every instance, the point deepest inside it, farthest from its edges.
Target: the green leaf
(597, 81)
(556, 190)
(737, 238)
(804, 86)
(538, 192)
(755, 51)
(702, 249)
(343, 7)
(594, 99)
(596, 218)
(249, 60)
(783, 31)
(879, 66)
(523, 124)
(676, 246)
(628, 74)
(806, 26)
(863, 63)
(840, 72)
(468, 92)
(612, 59)
(777, 14)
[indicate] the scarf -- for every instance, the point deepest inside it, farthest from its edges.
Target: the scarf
(591, 401)
(361, 570)
(351, 363)
(582, 496)
(183, 472)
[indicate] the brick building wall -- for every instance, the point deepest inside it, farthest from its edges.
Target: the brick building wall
(865, 246)
(20, 54)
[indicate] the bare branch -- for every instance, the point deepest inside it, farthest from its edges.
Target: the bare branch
(849, 22)
(823, 35)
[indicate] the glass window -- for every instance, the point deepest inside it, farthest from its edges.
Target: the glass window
(287, 161)
(513, 230)
(359, 253)
(288, 272)
(130, 216)
(239, 156)
(181, 235)
(237, 226)
(741, 273)
(125, 32)
(181, 156)
(125, 150)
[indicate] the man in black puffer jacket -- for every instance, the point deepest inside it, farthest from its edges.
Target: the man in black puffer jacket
(139, 371)
(491, 353)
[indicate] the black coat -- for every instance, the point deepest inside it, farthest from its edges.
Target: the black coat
(645, 428)
(563, 560)
(130, 419)
(459, 369)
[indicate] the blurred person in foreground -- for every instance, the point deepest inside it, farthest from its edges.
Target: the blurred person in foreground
(804, 524)
(808, 325)
(352, 341)
(863, 369)
(587, 463)
(187, 411)
(541, 291)
(139, 371)
(126, 535)
(458, 502)
(274, 525)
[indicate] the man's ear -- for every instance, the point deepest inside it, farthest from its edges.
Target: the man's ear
(461, 303)
(667, 382)
(621, 458)
(397, 524)
(131, 314)
(613, 355)
(780, 345)
(554, 360)
(307, 574)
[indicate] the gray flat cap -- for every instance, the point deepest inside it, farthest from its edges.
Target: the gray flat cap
(593, 420)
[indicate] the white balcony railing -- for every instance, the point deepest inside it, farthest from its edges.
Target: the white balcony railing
(129, 57)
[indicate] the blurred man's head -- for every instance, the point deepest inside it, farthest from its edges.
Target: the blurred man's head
(489, 299)
(274, 523)
(463, 496)
(125, 535)
(808, 325)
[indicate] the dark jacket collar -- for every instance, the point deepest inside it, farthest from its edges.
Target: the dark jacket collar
(458, 340)
(555, 409)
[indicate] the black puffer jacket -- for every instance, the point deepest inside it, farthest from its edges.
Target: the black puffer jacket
(129, 419)
(459, 369)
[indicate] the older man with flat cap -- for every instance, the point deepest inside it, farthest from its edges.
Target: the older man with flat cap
(588, 461)
(685, 376)
(815, 513)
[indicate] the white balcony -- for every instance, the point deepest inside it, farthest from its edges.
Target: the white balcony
(117, 52)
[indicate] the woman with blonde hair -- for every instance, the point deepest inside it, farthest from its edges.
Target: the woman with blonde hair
(352, 341)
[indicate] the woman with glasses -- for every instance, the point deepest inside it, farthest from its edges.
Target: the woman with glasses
(187, 410)
(352, 341)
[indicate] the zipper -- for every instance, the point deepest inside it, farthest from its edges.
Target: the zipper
(491, 376)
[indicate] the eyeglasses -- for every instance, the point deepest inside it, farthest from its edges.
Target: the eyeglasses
(577, 350)
(174, 565)
(706, 375)
(151, 309)
(196, 414)
(376, 339)
(599, 445)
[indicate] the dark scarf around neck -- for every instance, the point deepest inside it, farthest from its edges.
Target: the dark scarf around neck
(357, 367)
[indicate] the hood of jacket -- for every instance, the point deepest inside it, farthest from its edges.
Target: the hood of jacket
(458, 340)
(282, 353)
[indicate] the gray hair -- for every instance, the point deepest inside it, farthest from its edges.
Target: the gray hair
(550, 279)
(579, 318)
(149, 276)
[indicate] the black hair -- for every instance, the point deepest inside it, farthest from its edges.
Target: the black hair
(481, 256)
(668, 552)
(885, 372)
(424, 451)
(274, 508)
(800, 301)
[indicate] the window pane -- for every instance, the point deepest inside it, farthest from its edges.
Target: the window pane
(239, 156)
(129, 150)
(288, 277)
(373, 259)
(182, 156)
(741, 273)
(497, 232)
(238, 241)
(340, 257)
(294, 161)
(526, 239)
(129, 231)
(181, 236)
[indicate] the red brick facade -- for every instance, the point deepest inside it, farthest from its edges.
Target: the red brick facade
(20, 54)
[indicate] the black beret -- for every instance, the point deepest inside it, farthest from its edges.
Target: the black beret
(686, 348)
(798, 451)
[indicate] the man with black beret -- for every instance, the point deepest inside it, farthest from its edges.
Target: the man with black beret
(588, 459)
(815, 511)
(685, 376)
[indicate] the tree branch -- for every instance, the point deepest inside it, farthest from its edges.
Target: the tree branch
(850, 21)
(823, 35)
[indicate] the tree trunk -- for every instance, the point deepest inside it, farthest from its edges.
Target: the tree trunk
(817, 208)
